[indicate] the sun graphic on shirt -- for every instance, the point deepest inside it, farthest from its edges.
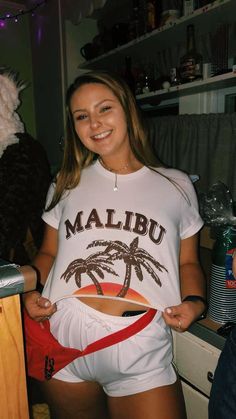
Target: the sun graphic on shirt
(111, 290)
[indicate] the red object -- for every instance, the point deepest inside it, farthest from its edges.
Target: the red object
(46, 356)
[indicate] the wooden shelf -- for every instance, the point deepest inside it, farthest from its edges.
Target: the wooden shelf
(205, 20)
(212, 83)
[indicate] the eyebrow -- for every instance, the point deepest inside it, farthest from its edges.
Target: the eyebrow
(98, 104)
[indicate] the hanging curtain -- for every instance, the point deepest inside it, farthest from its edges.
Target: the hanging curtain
(198, 144)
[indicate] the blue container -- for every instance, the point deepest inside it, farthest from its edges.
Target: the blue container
(222, 302)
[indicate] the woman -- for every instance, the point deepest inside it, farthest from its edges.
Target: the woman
(120, 242)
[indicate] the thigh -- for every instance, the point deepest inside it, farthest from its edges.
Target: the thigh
(164, 402)
(75, 400)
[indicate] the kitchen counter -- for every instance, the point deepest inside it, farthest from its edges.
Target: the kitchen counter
(207, 330)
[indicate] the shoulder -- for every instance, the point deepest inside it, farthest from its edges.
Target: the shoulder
(178, 181)
(174, 175)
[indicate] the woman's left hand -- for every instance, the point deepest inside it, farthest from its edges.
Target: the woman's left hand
(180, 317)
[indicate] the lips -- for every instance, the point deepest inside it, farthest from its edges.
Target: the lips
(101, 135)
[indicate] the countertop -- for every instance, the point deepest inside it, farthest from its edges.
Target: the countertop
(207, 330)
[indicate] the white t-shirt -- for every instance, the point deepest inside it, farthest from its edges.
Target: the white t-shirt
(122, 244)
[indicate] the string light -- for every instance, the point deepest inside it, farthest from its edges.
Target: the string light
(20, 13)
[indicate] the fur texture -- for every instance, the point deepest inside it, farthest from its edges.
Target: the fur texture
(10, 122)
(24, 181)
(24, 177)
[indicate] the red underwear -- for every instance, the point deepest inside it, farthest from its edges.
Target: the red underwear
(46, 356)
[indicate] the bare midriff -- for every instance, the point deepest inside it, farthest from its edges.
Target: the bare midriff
(112, 307)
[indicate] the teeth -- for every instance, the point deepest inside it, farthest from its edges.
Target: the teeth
(102, 135)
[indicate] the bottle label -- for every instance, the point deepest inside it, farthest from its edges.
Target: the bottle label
(230, 279)
(190, 68)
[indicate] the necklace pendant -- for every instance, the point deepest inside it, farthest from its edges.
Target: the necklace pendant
(116, 184)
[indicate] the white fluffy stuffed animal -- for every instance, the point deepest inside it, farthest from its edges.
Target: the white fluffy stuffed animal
(10, 122)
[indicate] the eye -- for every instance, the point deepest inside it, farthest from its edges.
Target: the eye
(80, 117)
(105, 108)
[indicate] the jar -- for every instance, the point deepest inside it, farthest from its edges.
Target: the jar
(169, 16)
(222, 302)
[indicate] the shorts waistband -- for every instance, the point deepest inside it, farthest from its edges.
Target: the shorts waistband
(77, 304)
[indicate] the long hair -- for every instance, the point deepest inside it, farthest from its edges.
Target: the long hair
(76, 156)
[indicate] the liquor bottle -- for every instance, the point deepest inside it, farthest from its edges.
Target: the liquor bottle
(150, 15)
(134, 23)
(191, 62)
(174, 76)
(128, 73)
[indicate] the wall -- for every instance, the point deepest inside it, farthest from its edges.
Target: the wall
(45, 49)
(47, 45)
(76, 37)
(15, 52)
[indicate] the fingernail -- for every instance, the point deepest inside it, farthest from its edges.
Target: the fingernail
(168, 310)
(47, 304)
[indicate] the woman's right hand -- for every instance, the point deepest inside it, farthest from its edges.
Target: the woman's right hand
(38, 307)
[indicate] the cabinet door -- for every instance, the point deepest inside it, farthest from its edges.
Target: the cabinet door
(196, 403)
(196, 360)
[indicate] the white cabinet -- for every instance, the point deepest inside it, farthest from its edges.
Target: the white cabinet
(196, 403)
(196, 361)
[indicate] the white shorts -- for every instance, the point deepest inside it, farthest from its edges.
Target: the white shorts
(137, 364)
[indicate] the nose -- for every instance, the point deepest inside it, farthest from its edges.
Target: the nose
(94, 121)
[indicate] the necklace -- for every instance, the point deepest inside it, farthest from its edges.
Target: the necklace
(125, 167)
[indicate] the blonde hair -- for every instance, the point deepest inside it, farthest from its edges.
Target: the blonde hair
(76, 156)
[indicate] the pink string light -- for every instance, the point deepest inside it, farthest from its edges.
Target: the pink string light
(20, 13)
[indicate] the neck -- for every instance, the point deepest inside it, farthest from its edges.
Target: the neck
(132, 166)
(123, 168)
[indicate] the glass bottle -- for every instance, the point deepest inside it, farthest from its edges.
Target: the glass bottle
(174, 76)
(134, 23)
(150, 15)
(128, 73)
(191, 62)
(222, 302)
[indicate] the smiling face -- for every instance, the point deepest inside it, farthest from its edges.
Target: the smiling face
(100, 121)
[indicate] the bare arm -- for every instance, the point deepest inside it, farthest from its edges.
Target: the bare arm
(192, 279)
(234, 265)
(38, 307)
(192, 282)
(46, 254)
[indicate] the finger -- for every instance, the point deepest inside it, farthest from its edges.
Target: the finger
(179, 326)
(44, 318)
(166, 317)
(43, 302)
(40, 317)
(173, 311)
(169, 313)
(41, 313)
(173, 322)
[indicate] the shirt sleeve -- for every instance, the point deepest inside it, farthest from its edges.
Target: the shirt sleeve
(191, 221)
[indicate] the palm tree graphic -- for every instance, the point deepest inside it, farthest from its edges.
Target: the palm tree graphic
(95, 262)
(132, 256)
